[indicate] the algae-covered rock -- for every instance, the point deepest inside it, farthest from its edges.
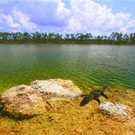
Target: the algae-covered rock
(22, 102)
(57, 87)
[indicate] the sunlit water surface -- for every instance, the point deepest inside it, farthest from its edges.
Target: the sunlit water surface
(86, 65)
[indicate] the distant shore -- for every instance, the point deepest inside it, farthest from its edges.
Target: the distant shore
(115, 38)
(91, 42)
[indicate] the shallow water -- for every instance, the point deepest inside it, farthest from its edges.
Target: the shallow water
(86, 65)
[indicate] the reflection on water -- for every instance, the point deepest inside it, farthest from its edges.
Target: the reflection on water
(86, 65)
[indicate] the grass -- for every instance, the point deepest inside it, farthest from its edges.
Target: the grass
(68, 118)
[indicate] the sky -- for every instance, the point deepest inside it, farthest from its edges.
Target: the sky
(66, 16)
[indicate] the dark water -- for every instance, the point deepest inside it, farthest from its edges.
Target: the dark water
(86, 65)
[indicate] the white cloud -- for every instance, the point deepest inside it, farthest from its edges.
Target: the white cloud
(57, 16)
(129, 27)
(24, 21)
(90, 16)
(16, 21)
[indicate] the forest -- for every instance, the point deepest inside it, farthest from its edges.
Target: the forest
(69, 38)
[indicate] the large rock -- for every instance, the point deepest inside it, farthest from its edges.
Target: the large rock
(22, 102)
(57, 87)
(119, 111)
(27, 101)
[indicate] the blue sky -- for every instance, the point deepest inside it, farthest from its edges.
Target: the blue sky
(95, 16)
(120, 5)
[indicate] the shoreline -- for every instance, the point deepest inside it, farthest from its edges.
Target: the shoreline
(124, 88)
(68, 118)
(66, 43)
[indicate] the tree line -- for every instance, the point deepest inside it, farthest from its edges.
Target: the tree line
(86, 38)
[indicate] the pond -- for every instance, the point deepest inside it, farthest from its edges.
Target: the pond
(86, 65)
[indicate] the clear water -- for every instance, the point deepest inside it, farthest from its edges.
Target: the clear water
(86, 65)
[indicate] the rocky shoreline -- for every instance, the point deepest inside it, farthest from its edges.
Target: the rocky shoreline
(43, 98)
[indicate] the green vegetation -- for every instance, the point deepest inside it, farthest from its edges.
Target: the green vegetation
(78, 38)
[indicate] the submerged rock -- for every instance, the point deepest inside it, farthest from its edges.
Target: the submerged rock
(27, 101)
(57, 87)
(22, 102)
(117, 110)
